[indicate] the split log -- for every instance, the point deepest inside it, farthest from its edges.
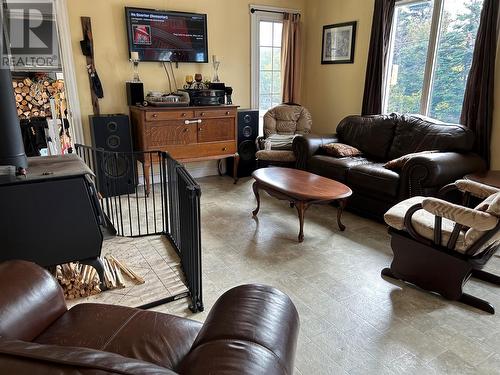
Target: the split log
(129, 272)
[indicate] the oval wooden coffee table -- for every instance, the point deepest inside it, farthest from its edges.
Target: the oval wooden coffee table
(301, 189)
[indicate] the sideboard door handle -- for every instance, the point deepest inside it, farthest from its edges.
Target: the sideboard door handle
(187, 122)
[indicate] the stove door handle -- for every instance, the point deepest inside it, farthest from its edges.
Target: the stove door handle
(94, 198)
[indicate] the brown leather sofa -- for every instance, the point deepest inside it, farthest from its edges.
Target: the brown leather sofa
(381, 138)
(251, 329)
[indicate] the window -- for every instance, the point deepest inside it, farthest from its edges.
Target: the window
(266, 59)
(430, 57)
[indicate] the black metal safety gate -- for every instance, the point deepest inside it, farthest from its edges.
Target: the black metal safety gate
(163, 199)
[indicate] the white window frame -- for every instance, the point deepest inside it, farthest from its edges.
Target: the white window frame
(430, 65)
(256, 18)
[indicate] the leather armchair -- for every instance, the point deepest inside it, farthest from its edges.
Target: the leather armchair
(252, 329)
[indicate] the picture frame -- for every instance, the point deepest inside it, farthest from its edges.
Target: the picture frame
(338, 43)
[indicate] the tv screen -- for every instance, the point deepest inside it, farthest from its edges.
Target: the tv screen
(167, 36)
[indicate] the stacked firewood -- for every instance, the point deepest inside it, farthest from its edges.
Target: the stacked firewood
(32, 97)
(80, 280)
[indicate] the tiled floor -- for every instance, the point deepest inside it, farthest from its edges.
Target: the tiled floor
(352, 320)
(152, 258)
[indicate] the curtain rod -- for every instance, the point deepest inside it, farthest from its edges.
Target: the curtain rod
(253, 10)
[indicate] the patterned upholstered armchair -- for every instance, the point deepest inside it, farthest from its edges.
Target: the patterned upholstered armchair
(281, 125)
(439, 245)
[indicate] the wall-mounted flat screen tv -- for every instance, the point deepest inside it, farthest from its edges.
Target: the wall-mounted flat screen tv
(167, 36)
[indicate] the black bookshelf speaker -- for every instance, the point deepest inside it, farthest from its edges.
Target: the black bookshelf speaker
(135, 93)
(248, 130)
(115, 170)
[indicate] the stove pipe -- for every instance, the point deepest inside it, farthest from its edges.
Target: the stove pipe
(11, 141)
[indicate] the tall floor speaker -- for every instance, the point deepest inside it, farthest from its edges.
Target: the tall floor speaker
(248, 130)
(115, 170)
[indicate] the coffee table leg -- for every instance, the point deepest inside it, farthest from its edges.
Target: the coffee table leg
(342, 204)
(301, 210)
(255, 187)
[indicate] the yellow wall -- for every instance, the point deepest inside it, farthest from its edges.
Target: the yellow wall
(332, 92)
(228, 38)
(335, 91)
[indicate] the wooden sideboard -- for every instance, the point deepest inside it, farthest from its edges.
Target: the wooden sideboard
(187, 133)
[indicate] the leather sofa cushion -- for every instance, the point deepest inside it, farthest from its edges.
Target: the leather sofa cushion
(146, 335)
(332, 167)
(375, 178)
(416, 133)
(21, 357)
(373, 135)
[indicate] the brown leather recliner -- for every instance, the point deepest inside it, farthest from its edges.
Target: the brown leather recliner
(251, 329)
(381, 138)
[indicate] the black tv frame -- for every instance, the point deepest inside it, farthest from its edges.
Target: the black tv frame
(168, 11)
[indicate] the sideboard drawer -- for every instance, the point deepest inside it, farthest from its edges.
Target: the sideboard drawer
(219, 148)
(171, 133)
(169, 115)
(215, 113)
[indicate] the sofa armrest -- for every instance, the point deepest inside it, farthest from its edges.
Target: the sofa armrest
(306, 146)
(251, 329)
(434, 170)
(30, 301)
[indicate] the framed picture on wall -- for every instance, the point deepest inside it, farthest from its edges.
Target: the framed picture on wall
(338, 43)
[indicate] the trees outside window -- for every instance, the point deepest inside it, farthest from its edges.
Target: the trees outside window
(431, 55)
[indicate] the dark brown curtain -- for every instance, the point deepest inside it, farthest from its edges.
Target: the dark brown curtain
(377, 56)
(477, 111)
(291, 57)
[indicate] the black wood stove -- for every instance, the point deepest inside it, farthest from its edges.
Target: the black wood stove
(52, 214)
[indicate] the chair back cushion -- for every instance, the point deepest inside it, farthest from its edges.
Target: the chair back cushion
(371, 134)
(415, 133)
(287, 119)
(31, 300)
